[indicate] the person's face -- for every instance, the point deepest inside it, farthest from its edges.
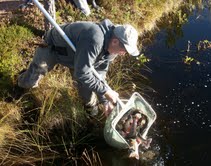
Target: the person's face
(116, 48)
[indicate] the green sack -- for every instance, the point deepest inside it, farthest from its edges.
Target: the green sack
(112, 136)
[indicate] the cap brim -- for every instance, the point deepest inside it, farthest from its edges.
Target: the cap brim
(132, 50)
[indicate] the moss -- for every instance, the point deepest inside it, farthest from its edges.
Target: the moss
(12, 39)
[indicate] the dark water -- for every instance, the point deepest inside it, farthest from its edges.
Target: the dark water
(182, 94)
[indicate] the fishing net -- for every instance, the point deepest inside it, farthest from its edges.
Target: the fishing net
(115, 130)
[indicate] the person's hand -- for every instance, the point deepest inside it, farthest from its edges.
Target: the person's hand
(111, 96)
(107, 108)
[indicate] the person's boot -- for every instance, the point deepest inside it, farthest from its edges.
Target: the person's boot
(92, 110)
(25, 5)
(95, 5)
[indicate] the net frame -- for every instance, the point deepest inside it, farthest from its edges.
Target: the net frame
(112, 136)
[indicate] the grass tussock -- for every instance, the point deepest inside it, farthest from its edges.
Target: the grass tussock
(56, 130)
(46, 125)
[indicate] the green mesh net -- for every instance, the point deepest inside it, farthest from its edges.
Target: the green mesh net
(112, 135)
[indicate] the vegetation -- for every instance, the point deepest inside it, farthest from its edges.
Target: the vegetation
(203, 45)
(48, 125)
(12, 38)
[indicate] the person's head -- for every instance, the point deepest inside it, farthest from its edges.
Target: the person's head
(124, 39)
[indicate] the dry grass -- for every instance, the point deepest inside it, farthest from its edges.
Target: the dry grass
(143, 14)
(55, 129)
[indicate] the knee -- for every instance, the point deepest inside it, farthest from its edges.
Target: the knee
(24, 81)
(31, 77)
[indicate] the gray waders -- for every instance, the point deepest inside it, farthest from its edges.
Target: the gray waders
(44, 60)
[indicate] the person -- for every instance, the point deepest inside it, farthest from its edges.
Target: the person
(97, 44)
(84, 7)
(27, 3)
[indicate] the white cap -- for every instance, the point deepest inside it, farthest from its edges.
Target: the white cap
(128, 36)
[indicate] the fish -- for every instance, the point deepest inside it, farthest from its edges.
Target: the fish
(134, 148)
(132, 133)
(144, 142)
(120, 124)
(128, 124)
(142, 123)
(130, 127)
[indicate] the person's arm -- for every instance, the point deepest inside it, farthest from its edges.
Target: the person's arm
(89, 46)
(85, 58)
(86, 53)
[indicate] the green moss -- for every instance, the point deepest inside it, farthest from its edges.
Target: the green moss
(12, 39)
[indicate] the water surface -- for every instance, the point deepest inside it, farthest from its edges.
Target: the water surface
(181, 96)
(183, 91)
